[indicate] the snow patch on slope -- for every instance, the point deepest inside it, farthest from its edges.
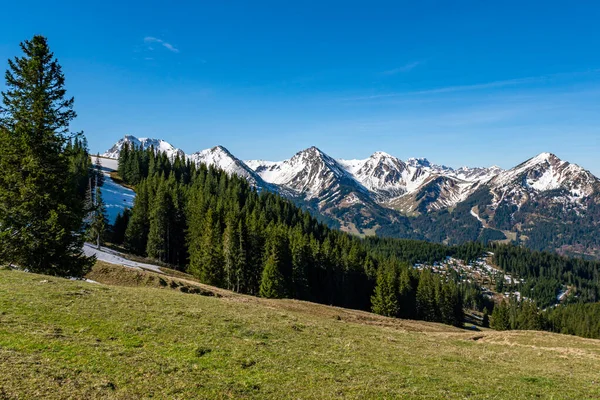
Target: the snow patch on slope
(116, 197)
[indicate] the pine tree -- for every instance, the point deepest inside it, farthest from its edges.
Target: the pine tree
(98, 174)
(136, 235)
(301, 259)
(135, 172)
(255, 253)
(195, 221)
(272, 284)
(241, 270)
(528, 316)
(406, 294)
(41, 209)
(99, 221)
(500, 318)
(450, 304)
(230, 249)
(426, 297)
(159, 230)
(385, 298)
(88, 203)
(177, 224)
(120, 226)
(123, 161)
(80, 165)
(207, 261)
(446, 305)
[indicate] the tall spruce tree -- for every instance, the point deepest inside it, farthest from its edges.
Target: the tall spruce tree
(119, 226)
(272, 283)
(124, 162)
(301, 259)
(385, 298)
(241, 270)
(41, 209)
(450, 304)
(500, 317)
(80, 165)
(99, 221)
(206, 259)
(159, 228)
(426, 299)
(177, 224)
(231, 253)
(98, 174)
(406, 294)
(136, 234)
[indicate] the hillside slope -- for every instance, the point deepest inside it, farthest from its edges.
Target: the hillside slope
(65, 339)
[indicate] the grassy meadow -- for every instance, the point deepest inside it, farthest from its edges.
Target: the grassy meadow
(134, 337)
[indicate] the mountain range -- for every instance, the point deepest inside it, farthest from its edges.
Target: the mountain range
(544, 202)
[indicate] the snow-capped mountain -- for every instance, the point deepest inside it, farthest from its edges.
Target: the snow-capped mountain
(322, 184)
(425, 164)
(476, 174)
(376, 194)
(437, 192)
(217, 156)
(312, 174)
(309, 172)
(144, 143)
(394, 181)
(221, 158)
(546, 172)
(385, 175)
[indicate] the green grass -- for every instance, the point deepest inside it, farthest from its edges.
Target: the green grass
(61, 339)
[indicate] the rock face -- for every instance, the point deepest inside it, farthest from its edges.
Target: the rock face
(376, 194)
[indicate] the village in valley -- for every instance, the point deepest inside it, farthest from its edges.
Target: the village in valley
(495, 284)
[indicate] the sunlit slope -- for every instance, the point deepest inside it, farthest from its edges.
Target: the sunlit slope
(63, 339)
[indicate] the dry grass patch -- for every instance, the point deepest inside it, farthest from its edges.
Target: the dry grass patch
(111, 274)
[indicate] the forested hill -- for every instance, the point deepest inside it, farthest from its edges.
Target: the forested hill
(223, 231)
(220, 229)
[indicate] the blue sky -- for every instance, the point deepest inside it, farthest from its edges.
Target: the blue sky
(461, 82)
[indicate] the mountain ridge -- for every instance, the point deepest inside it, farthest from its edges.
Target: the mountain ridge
(375, 195)
(417, 169)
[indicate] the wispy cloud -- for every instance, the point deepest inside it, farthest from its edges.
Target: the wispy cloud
(478, 86)
(150, 39)
(405, 68)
